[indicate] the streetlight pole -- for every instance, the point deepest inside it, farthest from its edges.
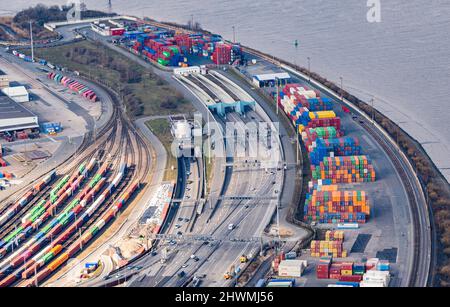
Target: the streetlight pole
(298, 146)
(278, 217)
(278, 94)
(31, 42)
(234, 34)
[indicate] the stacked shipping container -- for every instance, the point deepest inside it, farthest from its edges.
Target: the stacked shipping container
(347, 169)
(333, 249)
(151, 44)
(337, 207)
(346, 146)
(74, 86)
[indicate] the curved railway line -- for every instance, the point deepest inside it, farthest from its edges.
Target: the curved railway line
(117, 143)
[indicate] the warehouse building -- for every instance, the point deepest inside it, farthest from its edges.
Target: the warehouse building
(14, 116)
(17, 93)
(4, 81)
(269, 80)
(108, 28)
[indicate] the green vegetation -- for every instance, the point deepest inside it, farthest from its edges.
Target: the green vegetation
(143, 92)
(41, 14)
(209, 169)
(161, 129)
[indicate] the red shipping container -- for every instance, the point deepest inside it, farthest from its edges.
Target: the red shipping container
(335, 276)
(354, 278)
(347, 266)
(322, 276)
(222, 54)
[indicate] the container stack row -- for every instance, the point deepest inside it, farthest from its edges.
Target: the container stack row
(311, 135)
(162, 51)
(74, 85)
(302, 95)
(355, 274)
(327, 248)
(335, 159)
(344, 170)
(170, 49)
(337, 207)
(345, 146)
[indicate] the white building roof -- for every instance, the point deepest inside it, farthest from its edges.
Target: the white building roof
(270, 77)
(15, 91)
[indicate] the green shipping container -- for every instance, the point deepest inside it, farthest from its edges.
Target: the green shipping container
(163, 62)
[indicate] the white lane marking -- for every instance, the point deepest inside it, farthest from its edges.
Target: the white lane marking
(51, 139)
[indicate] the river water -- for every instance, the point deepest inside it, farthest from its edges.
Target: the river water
(403, 62)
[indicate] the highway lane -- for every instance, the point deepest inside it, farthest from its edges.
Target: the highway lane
(242, 183)
(250, 219)
(220, 212)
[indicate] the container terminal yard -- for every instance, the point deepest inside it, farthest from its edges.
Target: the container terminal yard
(328, 200)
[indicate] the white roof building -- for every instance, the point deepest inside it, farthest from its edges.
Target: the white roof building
(17, 93)
(270, 79)
(13, 116)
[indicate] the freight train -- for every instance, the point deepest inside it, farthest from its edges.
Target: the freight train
(48, 243)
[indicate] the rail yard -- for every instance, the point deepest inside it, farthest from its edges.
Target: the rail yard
(281, 182)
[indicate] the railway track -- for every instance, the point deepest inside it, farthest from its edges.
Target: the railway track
(412, 200)
(118, 142)
(223, 86)
(10, 225)
(203, 87)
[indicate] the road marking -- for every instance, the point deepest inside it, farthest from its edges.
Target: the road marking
(51, 139)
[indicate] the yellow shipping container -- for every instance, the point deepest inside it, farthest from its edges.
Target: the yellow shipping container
(322, 114)
(347, 272)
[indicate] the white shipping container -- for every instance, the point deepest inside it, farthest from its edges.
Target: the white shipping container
(371, 284)
(373, 262)
(292, 268)
(378, 277)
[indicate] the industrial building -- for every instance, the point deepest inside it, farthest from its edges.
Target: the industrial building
(108, 28)
(269, 80)
(14, 116)
(4, 81)
(17, 93)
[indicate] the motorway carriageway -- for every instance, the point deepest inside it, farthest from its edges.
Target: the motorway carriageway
(249, 216)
